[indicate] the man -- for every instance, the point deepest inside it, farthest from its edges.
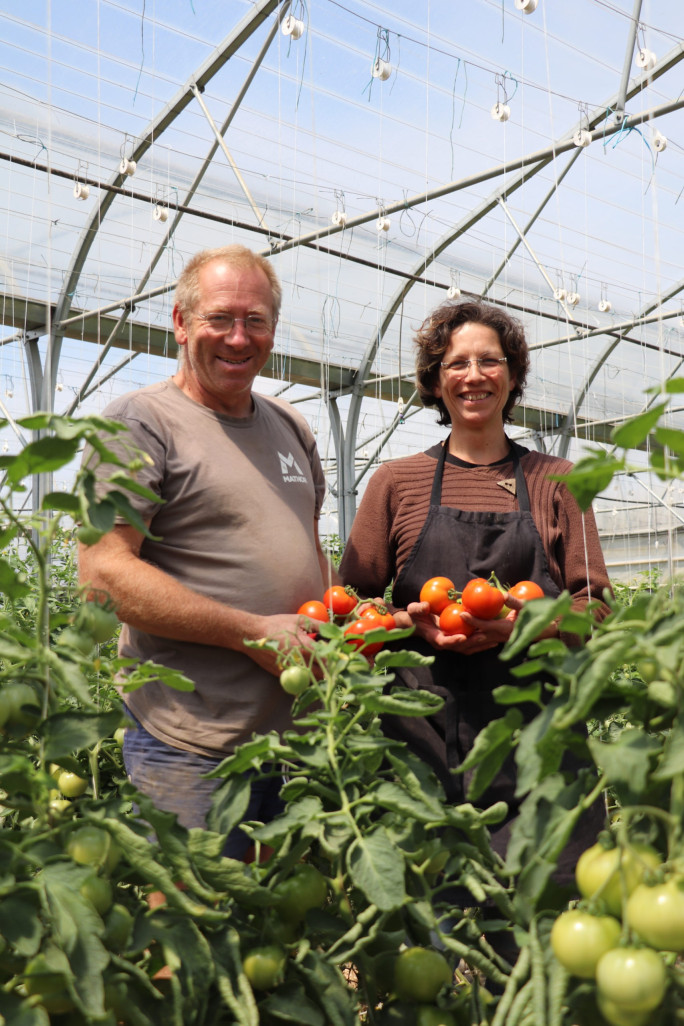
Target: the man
(235, 550)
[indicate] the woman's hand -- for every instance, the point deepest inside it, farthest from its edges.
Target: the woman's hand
(487, 634)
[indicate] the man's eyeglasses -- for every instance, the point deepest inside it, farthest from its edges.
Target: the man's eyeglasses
(486, 364)
(255, 325)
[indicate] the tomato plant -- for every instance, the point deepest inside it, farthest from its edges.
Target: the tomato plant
(451, 620)
(98, 620)
(71, 785)
(656, 914)
(118, 927)
(579, 939)
(339, 600)
(315, 610)
(265, 966)
(603, 872)
(49, 986)
(526, 591)
(420, 973)
(98, 891)
(633, 978)
(428, 1015)
(438, 592)
(482, 599)
(295, 679)
(19, 709)
(89, 846)
(304, 889)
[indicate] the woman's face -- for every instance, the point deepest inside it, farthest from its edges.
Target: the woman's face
(474, 395)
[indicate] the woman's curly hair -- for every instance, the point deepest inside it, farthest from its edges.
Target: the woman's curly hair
(434, 335)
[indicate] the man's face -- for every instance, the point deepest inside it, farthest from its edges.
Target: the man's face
(219, 368)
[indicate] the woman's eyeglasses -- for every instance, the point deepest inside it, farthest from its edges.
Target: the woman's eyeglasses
(487, 364)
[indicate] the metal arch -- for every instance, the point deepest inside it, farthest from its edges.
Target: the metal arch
(128, 306)
(347, 445)
(233, 41)
(565, 432)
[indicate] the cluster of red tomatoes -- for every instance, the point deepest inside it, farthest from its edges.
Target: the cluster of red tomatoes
(342, 605)
(484, 599)
(624, 958)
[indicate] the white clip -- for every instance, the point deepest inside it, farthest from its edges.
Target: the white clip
(560, 295)
(381, 69)
(501, 111)
(453, 292)
(160, 212)
(383, 224)
(127, 167)
(339, 218)
(573, 298)
(605, 306)
(659, 142)
(645, 59)
(582, 137)
(81, 191)
(292, 27)
(526, 6)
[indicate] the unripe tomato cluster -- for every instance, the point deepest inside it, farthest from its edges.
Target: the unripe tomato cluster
(620, 945)
(484, 599)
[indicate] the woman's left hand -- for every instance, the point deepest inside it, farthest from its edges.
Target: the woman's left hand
(487, 634)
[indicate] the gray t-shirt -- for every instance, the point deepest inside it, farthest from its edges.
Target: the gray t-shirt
(237, 524)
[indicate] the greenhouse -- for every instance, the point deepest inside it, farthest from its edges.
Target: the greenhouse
(385, 160)
(342, 641)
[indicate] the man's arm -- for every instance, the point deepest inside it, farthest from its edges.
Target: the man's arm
(151, 600)
(328, 572)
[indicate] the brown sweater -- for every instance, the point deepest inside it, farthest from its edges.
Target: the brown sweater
(396, 502)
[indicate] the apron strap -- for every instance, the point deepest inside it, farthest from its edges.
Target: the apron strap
(521, 492)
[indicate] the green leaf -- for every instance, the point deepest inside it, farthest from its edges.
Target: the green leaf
(402, 702)
(20, 922)
(633, 432)
(671, 438)
(389, 795)
(65, 502)
(289, 1003)
(626, 761)
(377, 868)
(304, 813)
(671, 764)
(490, 748)
(589, 476)
(531, 620)
(40, 457)
(387, 658)
(13, 583)
(17, 1011)
(507, 694)
(69, 732)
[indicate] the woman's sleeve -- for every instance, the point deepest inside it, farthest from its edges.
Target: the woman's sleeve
(368, 563)
(579, 554)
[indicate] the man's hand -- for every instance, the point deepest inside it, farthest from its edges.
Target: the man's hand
(287, 629)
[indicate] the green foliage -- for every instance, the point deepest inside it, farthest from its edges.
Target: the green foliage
(366, 861)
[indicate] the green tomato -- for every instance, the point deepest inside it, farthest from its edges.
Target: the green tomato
(657, 914)
(265, 967)
(648, 669)
(71, 785)
(578, 940)
(49, 986)
(428, 1015)
(19, 709)
(98, 891)
(420, 974)
(295, 679)
(632, 978)
(89, 846)
(77, 641)
(618, 1015)
(601, 872)
(662, 692)
(118, 927)
(99, 621)
(304, 889)
(119, 735)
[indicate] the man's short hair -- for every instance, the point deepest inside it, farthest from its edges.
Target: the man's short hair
(239, 257)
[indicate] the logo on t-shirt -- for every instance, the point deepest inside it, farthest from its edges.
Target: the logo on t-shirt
(290, 469)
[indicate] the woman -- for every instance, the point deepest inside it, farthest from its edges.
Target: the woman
(473, 504)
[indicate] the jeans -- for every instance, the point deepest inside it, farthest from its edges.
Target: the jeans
(172, 779)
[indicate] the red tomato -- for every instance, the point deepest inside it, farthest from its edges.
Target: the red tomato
(438, 592)
(315, 610)
(482, 599)
(339, 601)
(359, 627)
(451, 621)
(526, 591)
(380, 616)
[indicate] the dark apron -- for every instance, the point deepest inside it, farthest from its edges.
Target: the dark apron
(461, 545)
